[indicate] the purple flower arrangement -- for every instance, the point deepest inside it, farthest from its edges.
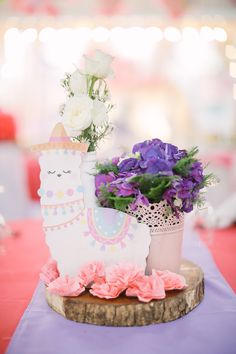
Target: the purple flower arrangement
(154, 172)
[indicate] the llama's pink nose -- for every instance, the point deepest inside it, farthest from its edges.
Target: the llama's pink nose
(58, 175)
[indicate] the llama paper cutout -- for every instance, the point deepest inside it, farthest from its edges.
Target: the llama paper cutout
(77, 235)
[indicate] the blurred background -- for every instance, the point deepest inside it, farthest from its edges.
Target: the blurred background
(175, 79)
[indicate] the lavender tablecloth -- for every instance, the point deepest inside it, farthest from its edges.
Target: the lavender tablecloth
(208, 329)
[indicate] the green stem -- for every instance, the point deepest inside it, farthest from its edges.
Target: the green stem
(90, 92)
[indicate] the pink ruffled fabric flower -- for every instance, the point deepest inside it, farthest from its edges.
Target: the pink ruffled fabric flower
(105, 290)
(66, 286)
(123, 274)
(147, 288)
(91, 272)
(171, 280)
(49, 272)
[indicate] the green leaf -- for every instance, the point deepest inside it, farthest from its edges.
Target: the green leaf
(183, 166)
(106, 168)
(94, 134)
(208, 180)
(153, 186)
(121, 203)
(155, 194)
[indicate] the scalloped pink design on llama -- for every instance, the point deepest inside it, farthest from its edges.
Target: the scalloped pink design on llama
(96, 234)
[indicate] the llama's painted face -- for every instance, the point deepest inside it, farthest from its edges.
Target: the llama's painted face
(60, 168)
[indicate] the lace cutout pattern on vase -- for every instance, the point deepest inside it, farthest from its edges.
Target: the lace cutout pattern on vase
(157, 217)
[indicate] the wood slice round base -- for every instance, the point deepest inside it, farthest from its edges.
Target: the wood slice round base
(127, 311)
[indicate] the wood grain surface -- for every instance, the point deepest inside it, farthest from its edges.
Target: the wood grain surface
(128, 311)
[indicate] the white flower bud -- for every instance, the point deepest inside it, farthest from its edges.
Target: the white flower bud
(78, 83)
(99, 65)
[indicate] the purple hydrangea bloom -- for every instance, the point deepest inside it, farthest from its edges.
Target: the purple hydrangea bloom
(187, 206)
(169, 194)
(156, 148)
(140, 199)
(155, 158)
(155, 166)
(184, 189)
(196, 172)
(102, 180)
(121, 187)
(172, 153)
(115, 160)
(125, 190)
(129, 165)
(152, 152)
(126, 175)
(140, 147)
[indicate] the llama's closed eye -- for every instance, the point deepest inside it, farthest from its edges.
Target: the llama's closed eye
(51, 172)
(68, 171)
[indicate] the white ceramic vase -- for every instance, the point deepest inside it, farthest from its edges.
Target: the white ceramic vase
(166, 236)
(88, 180)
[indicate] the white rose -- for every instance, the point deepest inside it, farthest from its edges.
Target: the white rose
(99, 66)
(99, 114)
(77, 113)
(78, 83)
